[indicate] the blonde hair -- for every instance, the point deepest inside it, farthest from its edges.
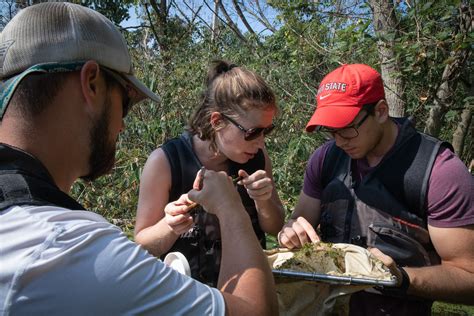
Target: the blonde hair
(231, 90)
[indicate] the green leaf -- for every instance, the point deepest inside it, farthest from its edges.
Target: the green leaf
(427, 5)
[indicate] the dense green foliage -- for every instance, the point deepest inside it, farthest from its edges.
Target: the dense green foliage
(312, 39)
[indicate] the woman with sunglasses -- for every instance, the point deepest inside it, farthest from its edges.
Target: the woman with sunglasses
(226, 133)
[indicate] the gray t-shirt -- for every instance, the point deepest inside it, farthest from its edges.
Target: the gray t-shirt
(58, 261)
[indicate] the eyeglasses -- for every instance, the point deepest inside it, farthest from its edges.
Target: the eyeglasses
(347, 132)
(251, 133)
(126, 90)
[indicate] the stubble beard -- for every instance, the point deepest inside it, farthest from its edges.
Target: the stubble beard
(102, 154)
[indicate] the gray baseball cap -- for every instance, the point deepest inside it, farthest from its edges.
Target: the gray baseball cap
(50, 37)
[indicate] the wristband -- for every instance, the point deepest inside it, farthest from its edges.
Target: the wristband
(403, 287)
(397, 291)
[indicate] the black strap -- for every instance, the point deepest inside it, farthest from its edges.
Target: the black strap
(25, 181)
(405, 172)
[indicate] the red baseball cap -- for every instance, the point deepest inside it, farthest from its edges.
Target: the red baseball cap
(343, 92)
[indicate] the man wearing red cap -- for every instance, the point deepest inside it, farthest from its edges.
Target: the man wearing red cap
(379, 183)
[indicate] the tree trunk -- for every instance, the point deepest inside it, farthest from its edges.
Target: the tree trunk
(386, 29)
(446, 91)
(215, 21)
(461, 131)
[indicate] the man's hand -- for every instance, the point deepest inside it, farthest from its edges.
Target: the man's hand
(218, 194)
(296, 233)
(389, 263)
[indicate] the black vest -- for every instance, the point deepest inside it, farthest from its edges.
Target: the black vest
(386, 209)
(389, 201)
(202, 244)
(25, 181)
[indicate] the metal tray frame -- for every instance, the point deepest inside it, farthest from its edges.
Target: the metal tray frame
(334, 279)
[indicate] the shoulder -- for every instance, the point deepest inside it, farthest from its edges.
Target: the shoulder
(47, 237)
(157, 165)
(450, 192)
(175, 141)
(156, 156)
(49, 216)
(80, 255)
(312, 183)
(317, 157)
(447, 165)
(180, 149)
(156, 175)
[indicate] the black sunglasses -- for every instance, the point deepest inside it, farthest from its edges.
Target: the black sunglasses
(126, 100)
(251, 133)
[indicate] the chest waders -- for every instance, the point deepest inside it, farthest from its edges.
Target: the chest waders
(386, 209)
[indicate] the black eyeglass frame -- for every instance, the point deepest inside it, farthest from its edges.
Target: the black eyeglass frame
(251, 133)
(330, 133)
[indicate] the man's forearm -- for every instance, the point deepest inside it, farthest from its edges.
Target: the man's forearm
(442, 282)
(245, 272)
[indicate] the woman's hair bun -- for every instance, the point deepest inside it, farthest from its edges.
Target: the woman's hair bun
(217, 68)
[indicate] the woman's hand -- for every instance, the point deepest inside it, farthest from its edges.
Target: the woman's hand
(259, 186)
(177, 215)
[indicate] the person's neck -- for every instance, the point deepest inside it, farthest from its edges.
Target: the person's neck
(387, 140)
(209, 158)
(50, 145)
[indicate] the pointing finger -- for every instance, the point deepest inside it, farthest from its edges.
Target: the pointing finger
(308, 229)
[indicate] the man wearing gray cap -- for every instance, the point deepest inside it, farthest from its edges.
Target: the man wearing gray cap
(66, 85)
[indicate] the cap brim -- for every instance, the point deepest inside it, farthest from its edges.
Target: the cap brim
(332, 116)
(8, 87)
(143, 91)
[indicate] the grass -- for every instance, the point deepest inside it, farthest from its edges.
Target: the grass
(443, 309)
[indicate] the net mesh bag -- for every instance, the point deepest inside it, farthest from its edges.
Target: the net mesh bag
(304, 297)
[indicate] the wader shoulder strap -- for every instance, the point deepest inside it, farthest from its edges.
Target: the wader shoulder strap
(405, 172)
(336, 164)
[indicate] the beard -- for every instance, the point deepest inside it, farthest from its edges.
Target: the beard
(102, 155)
